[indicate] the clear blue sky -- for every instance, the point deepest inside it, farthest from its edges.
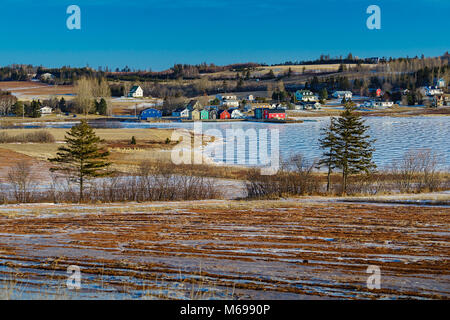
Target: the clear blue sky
(158, 33)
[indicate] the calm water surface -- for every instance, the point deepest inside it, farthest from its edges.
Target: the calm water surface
(394, 136)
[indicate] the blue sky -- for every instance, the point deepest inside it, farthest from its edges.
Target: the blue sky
(158, 33)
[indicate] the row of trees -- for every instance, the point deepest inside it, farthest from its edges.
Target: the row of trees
(92, 96)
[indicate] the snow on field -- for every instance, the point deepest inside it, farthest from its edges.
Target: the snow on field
(226, 250)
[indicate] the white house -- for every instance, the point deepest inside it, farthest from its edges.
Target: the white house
(222, 97)
(431, 91)
(228, 100)
(305, 95)
(342, 94)
(380, 104)
(47, 76)
(182, 113)
(229, 103)
(309, 106)
(278, 106)
(46, 110)
(236, 114)
(136, 92)
(440, 83)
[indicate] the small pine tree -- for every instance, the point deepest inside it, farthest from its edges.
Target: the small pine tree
(82, 157)
(18, 109)
(133, 140)
(353, 145)
(328, 144)
(34, 109)
(101, 107)
(323, 95)
(62, 105)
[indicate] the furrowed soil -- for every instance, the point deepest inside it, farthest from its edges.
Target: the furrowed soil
(284, 249)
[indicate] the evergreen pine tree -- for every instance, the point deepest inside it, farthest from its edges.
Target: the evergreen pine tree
(354, 146)
(101, 107)
(328, 144)
(62, 105)
(82, 157)
(323, 95)
(18, 109)
(34, 110)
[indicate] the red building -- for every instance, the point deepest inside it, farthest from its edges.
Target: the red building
(274, 114)
(224, 114)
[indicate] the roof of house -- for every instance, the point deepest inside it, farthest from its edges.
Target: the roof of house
(276, 111)
(343, 91)
(256, 104)
(149, 109)
(180, 109)
(192, 103)
(134, 89)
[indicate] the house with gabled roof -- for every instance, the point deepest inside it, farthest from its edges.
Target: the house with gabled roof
(213, 114)
(194, 104)
(46, 110)
(204, 114)
(150, 113)
(236, 114)
(224, 114)
(305, 95)
(136, 92)
(181, 113)
(194, 114)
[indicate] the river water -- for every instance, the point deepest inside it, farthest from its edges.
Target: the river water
(394, 136)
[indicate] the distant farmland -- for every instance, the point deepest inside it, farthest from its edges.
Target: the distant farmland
(29, 90)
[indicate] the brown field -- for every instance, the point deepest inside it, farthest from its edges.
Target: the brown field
(29, 90)
(284, 68)
(9, 158)
(152, 145)
(289, 249)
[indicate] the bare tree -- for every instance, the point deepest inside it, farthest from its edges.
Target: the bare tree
(6, 103)
(417, 171)
(84, 101)
(22, 180)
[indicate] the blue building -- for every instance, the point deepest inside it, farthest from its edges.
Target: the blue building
(150, 114)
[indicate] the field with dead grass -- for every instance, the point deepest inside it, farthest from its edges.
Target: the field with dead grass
(29, 90)
(154, 145)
